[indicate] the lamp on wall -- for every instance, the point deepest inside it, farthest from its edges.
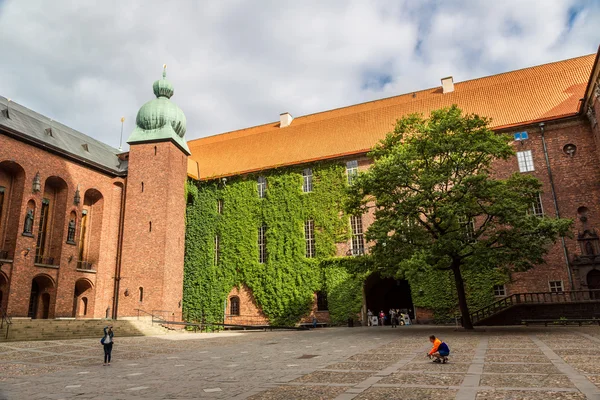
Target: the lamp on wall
(37, 186)
(77, 197)
(126, 292)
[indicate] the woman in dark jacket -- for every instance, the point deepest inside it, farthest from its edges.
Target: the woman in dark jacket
(107, 341)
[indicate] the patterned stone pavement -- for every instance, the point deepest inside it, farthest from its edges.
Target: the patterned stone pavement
(337, 363)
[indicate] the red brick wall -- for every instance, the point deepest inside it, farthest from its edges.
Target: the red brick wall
(250, 313)
(153, 258)
(16, 155)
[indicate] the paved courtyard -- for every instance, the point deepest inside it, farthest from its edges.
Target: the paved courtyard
(337, 363)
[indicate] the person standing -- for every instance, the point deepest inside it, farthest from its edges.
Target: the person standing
(393, 318)
(107, 342)
(381, 317)
(369, 317)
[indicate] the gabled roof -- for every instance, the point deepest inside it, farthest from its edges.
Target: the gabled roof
(513, 98)
(36, 128)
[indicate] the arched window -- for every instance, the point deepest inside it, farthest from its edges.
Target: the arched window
(141, 294)
(234, 305)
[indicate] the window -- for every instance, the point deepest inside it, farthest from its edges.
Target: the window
(525, 161)
(217, 250)
(537, 209)
(262, 186)
(521, 136)
(142, 187)
(220, 206)
(309, 236)
(141, 290)
(262, 244)
(322, 301)
(556, 286)
(2, 189)
(468, 224)
(307, 185)
(351, 170)
(234, 305)
(499, 290)
(357, 245)
(41, 239)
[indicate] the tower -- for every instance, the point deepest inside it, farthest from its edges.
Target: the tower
(151, 268)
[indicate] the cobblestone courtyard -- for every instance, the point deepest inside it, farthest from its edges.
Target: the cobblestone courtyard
(343, 363)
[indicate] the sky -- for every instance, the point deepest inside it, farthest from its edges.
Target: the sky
(236, 64)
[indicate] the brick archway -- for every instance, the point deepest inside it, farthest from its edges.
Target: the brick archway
(42, 296)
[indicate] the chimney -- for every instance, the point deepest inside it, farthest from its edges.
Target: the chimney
(447, 85)
(285, 119)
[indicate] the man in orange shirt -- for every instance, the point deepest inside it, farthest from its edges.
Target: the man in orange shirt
(439, 351)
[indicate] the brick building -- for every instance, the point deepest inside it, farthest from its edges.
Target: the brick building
(551, 110)
(89, 231)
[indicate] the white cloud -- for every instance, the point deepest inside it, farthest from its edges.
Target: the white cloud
(238, 64)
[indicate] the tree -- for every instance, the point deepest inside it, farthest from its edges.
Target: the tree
(438, 204)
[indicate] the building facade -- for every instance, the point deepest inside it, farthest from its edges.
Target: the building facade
(88, 231)
(85, 230)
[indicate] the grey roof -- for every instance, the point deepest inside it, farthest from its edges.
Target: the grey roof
(31, 126)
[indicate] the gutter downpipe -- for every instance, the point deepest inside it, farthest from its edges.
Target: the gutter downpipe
(562, 239)
(119, 252)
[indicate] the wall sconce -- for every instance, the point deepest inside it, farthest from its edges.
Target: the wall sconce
(77, 198)
(26, 252)
(70, 258)
(126, 292)
(37, 186)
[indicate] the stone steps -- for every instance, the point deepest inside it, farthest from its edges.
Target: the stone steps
(27, 329)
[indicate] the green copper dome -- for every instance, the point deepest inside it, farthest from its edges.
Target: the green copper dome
(160, 119)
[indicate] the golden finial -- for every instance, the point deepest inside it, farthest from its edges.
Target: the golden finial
(164, 70)
(122, 119)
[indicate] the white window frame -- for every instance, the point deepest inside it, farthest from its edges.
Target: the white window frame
(537, 208)
(307, 180)
(217, 250)
(261, 184)
(262, 244)
(556, 286)
(220, 206)
(525, 160)
(351, 170)
(357, 242)
(309, 237)
(499, 290)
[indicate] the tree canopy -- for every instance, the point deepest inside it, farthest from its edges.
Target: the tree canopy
(438, 202)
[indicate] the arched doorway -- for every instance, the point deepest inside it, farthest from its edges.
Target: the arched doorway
(593, 282)
(42, 289)
(83, 291)
(385, 293)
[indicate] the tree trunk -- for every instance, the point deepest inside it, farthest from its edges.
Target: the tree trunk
(462, 297)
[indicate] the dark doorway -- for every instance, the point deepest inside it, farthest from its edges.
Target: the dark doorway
(45, 305)
(33, 300)
(593, 282)
(42, 288)
(385, 293)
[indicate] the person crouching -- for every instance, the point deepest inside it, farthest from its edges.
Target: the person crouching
(440, 350)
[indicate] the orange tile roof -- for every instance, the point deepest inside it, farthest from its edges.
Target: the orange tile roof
(513, 98)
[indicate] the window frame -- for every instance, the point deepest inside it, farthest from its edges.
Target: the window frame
(309, 237)
(554, 288)
(234, 306)
(357, 241)
(537, 203)
(499, 290)
(351, 170)
(525, 161)
(307, 180)
(261, 185)
(220, 206)
(262, 244)
(217, 255)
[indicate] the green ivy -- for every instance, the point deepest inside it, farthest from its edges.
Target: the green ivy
(284, 286)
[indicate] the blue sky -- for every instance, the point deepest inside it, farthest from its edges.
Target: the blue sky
(239, 63)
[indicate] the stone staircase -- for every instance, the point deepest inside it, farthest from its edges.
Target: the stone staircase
(26, 329)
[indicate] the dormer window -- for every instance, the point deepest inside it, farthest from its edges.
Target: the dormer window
(85, 147)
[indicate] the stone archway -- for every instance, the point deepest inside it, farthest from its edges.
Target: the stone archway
(81, 298)
(41, 296)
(382, 294)
(593, 283)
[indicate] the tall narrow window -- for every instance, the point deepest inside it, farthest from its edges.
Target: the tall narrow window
(142, 187)
(262, 244)
(309, 236)
(536, 208)
(322, 301)
(351, 170)
(358, 242)
(525, 160)
(141, 294)
(234, 305)
(41, 240)
(83, 235)
(220, 206)
(2, 190)
(262, 186)
(468, 226)
(307, 184)
(217, 250)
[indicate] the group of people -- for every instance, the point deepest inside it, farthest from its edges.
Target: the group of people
(394, 316)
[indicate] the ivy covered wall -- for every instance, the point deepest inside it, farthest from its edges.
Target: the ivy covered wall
(285, 284)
